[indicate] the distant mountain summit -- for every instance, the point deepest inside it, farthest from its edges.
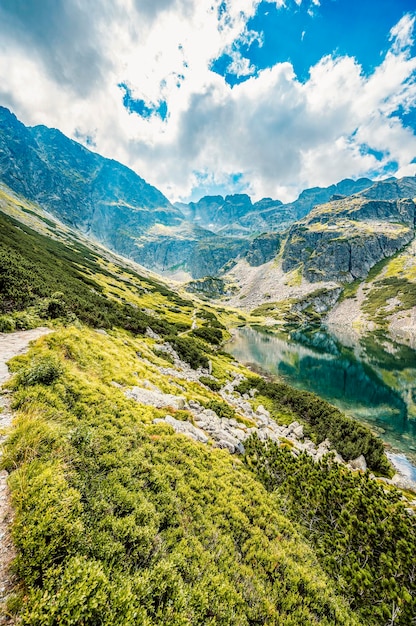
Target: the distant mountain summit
(112, 204)
(237, 214)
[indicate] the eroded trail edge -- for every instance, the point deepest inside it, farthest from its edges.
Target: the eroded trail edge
(10, 345)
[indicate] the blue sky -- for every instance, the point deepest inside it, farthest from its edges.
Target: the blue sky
(303, 34)
(265, 97)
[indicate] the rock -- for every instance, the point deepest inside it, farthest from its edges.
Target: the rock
(359, 463)
(298, 431)
(338, 458)
(227, 445)
(157, 399)
(263, 249)
(208, 414)
(186, 428)
(402, 482)
(240, 448)
(195, 406)
(261, 411)
(150, 333)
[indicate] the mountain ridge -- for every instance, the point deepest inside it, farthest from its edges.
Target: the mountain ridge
(109, 202)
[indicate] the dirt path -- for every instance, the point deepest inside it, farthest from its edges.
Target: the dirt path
(10, 345)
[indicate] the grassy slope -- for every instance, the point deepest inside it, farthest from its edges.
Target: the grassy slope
(118, 520)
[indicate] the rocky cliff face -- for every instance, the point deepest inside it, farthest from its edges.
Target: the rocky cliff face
(344, 239)
(263, 249)
(80, 187)
(111, 203)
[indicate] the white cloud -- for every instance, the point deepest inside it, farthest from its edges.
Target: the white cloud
(280, 134)
(402, 34)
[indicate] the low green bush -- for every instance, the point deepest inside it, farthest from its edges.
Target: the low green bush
(7, 324)
(164, 355)
(41, 370)
(221, 408)
(212, 383)
(208, 334)
(362, 535)
(189, 351)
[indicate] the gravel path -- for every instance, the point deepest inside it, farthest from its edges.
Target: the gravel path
(10, 345)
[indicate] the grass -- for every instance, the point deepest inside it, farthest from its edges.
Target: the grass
(120, 521)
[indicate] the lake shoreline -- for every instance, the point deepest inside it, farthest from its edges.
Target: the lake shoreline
(350, 384)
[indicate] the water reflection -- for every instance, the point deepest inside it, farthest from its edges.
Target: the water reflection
(358, 386)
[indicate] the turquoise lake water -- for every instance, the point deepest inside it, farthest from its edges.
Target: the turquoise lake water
(376, 387)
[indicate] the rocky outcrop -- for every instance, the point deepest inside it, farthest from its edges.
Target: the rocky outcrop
(319, 301)
(222, 432)
(210, 287)
(344, 239)
(263, 249)
(156, 398)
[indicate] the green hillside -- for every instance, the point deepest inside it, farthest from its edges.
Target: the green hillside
(121, 519)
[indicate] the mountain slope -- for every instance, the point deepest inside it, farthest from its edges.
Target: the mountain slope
(358, 249)
(112, 204)
(127, 510)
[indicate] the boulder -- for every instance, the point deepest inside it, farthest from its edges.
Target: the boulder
(262, 412)
(359, 463)
(298, 432)
(186, 428)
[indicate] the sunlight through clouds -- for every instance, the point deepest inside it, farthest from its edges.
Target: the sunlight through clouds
(137, 77)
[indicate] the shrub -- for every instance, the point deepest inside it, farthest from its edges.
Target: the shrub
(211, 335)
(222, 409)
(189, 351)
(7, 324)
(164, 355)
(42, 370)
(213, 384)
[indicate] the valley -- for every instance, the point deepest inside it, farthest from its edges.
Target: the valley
(155, 479)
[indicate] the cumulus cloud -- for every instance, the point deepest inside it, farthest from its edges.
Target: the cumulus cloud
(62, 63)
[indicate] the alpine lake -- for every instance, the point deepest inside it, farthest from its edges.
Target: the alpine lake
(372, 381)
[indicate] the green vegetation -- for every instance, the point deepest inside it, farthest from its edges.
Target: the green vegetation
(189, 350)
(361, 533)
(51, 279)
(348, 437)
(385, 289)
(208, 334)
(118, 521)
(210, 382)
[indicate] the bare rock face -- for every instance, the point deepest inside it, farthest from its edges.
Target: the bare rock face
(342, 240)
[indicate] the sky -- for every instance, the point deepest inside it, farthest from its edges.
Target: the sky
(221, 96)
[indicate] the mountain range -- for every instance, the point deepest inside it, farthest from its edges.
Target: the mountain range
(154, 480)
(109, 202)
(291, 261)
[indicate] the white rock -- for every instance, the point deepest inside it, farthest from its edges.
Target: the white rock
(298, 431)
(262, 411)
(359, 463)
(186, 428)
